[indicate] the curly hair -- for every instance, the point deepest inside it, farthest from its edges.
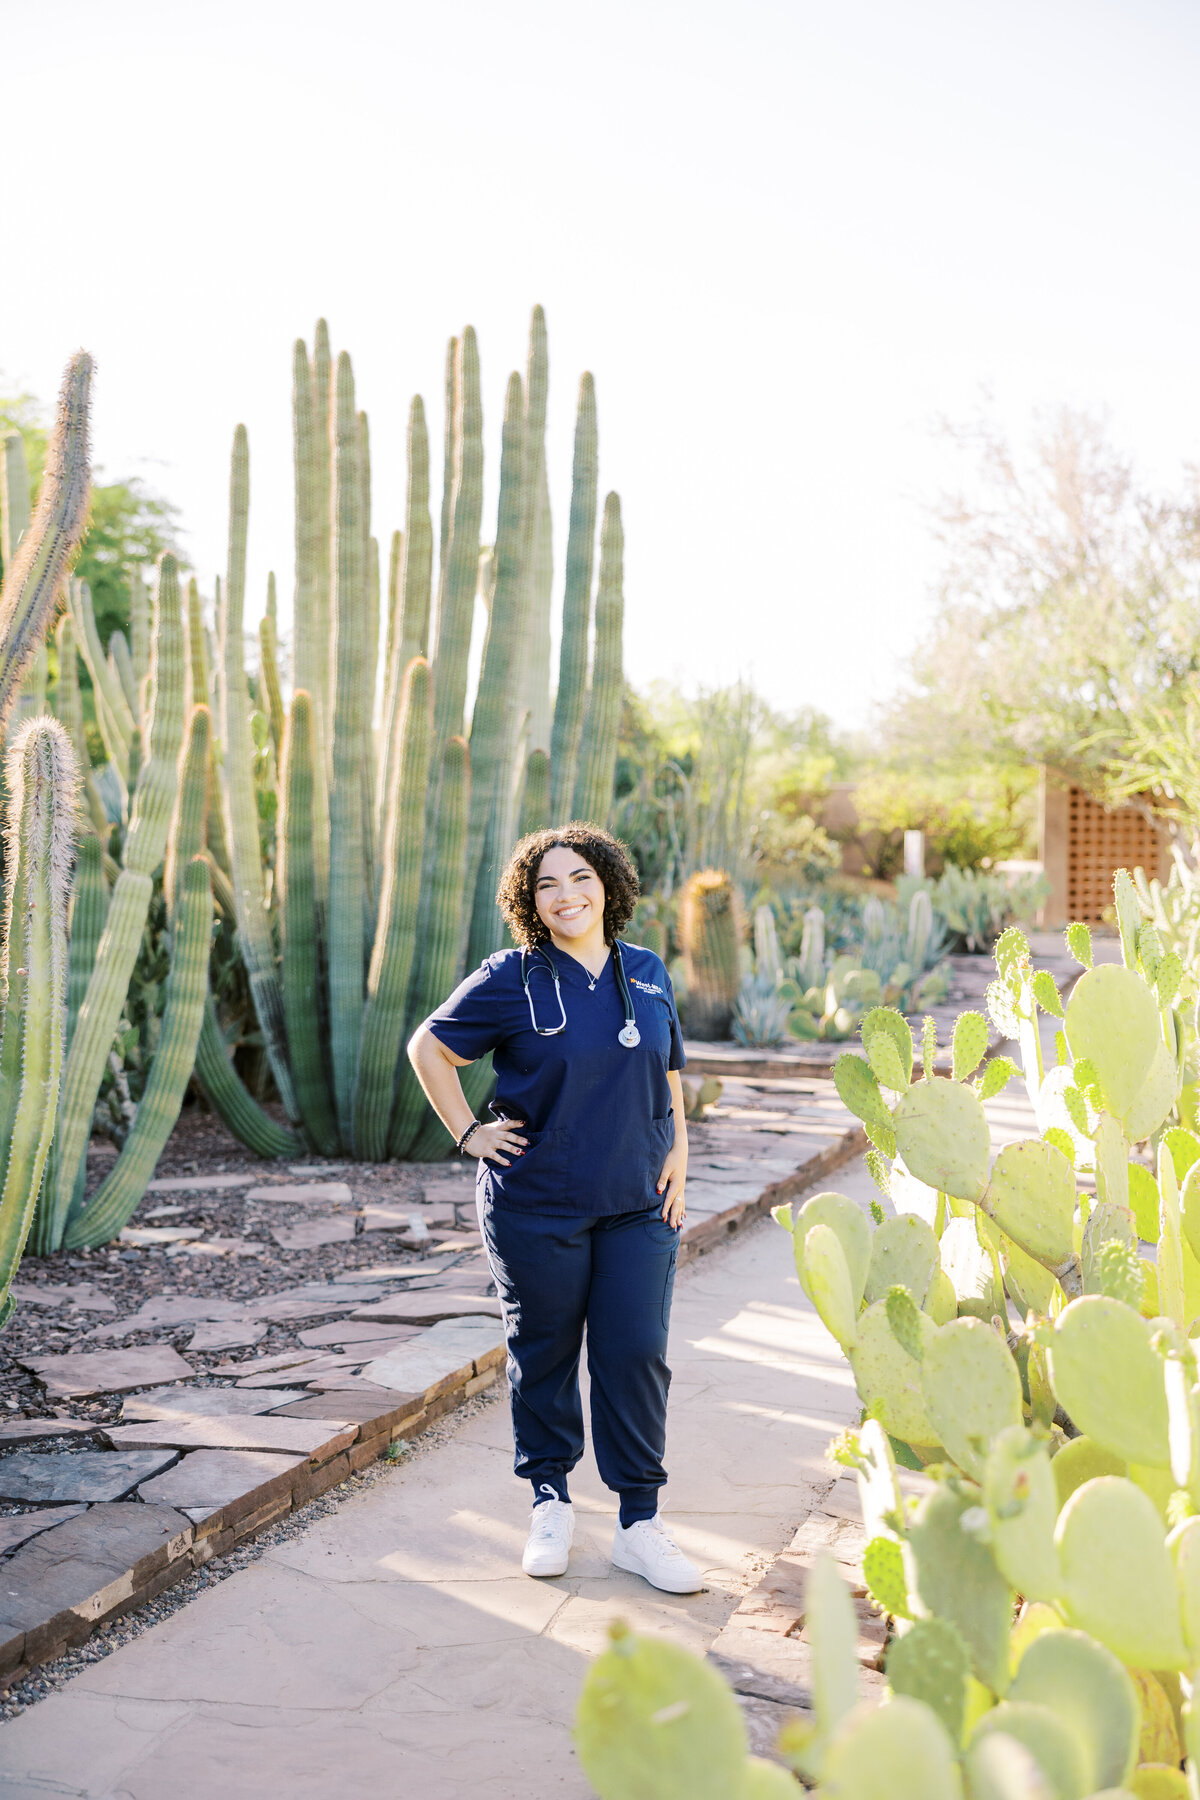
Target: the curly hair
(605, 853)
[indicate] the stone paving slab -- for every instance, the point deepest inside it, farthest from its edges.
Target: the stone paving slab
(198, 1184)
(437, 1359)
(427, 1308)
(203, 1403)
(20, 1527)
(318, 1439)
(24, 1431)
(107, 1371)
(310, 1234)
(227, 1334)
(81, 1298)
(63, 1582)
(351, 1331)
(43, 1478)
(210, 1479)
(296, 1193)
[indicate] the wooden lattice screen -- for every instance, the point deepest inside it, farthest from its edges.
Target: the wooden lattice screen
(1083, 844)
(1099, 842)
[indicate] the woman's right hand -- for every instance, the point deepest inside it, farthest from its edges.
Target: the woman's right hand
(490, 1140)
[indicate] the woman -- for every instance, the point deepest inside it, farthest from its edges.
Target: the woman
(580, 1181)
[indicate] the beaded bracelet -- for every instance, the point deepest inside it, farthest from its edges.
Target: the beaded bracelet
(467, 1134)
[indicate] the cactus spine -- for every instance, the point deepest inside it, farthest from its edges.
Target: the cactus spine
(391, 962)
(41, 780)
(577, 608)
(41, 561)
(598, 748)
(709, 935)
(115, 1201)
(298, 920)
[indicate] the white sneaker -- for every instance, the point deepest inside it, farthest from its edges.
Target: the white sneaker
(647, 1548)
(550, 1532)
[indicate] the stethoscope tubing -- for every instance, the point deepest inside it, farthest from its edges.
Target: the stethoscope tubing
(628, 1036)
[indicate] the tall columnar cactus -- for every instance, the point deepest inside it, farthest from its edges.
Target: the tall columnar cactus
(460, 565)
(391, 962)
(493, 732)
(602, 724)
(409, 889)
(41, 780)
(241, 807)
(298, 921)
(535, 794)
(15, 503)
(42, 560)
(346, 963)
(710, 932)
(571, 698)
(145, 845)
(89, 909)
(440, 962)
(270, 697)
(115, 1201)
(411, 588)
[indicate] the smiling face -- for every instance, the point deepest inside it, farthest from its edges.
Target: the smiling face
(569, 896)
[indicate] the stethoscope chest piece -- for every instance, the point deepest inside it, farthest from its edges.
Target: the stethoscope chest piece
(630, 1036)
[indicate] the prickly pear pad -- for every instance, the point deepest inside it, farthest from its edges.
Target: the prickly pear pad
(1184, 1546)
(887, 1022)
(1019, 1492)
(903, 1251)
(656, 1723)
(1110, 1379)
(1112, 1020)
(850, 1228)
(1090, 1691)
(971, 1389)
(889, 1380)
(878, 1488)
(930, 1663)
(893, 1752)
(969, 1265)
(829, 1285)
(942, 1134)
(955, 1577)
(859, 1092)
(1031, 1196)
(1048, 1739)
(1118, 1578)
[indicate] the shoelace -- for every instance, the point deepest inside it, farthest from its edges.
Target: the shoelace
(666, 1542)
(542, 1524)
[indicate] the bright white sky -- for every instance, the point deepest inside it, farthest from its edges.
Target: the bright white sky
(783, 236)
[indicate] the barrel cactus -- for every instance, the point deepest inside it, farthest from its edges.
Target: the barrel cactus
(710, 935)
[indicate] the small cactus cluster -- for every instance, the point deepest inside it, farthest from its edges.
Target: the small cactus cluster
(710, 936)
(1007, 1336)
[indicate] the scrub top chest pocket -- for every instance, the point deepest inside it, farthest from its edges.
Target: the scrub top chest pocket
(598, 1111)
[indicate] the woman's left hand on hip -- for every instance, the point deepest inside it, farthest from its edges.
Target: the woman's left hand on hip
(670, 1185)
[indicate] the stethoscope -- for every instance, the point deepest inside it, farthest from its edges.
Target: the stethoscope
(629, 1035)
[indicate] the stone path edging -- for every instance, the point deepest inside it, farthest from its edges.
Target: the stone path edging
(170, 1545)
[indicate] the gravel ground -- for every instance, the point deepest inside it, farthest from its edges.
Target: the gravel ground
(199, 1145)
(51, 1676)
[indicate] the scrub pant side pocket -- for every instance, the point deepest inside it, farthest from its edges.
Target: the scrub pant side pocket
(664, 1237)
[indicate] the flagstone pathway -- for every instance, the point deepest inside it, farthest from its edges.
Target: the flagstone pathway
(398, 1644)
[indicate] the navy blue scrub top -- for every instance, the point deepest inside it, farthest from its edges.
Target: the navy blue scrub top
(598, 1116)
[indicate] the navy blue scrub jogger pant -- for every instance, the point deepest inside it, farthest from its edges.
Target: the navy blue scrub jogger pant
(615, 1275)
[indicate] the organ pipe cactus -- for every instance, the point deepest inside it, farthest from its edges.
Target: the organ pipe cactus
(360, 950)
(598, 745)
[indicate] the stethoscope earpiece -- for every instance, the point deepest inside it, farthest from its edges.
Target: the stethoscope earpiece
(629, 1037)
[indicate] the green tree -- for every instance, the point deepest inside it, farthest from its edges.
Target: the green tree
(1069, 602)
